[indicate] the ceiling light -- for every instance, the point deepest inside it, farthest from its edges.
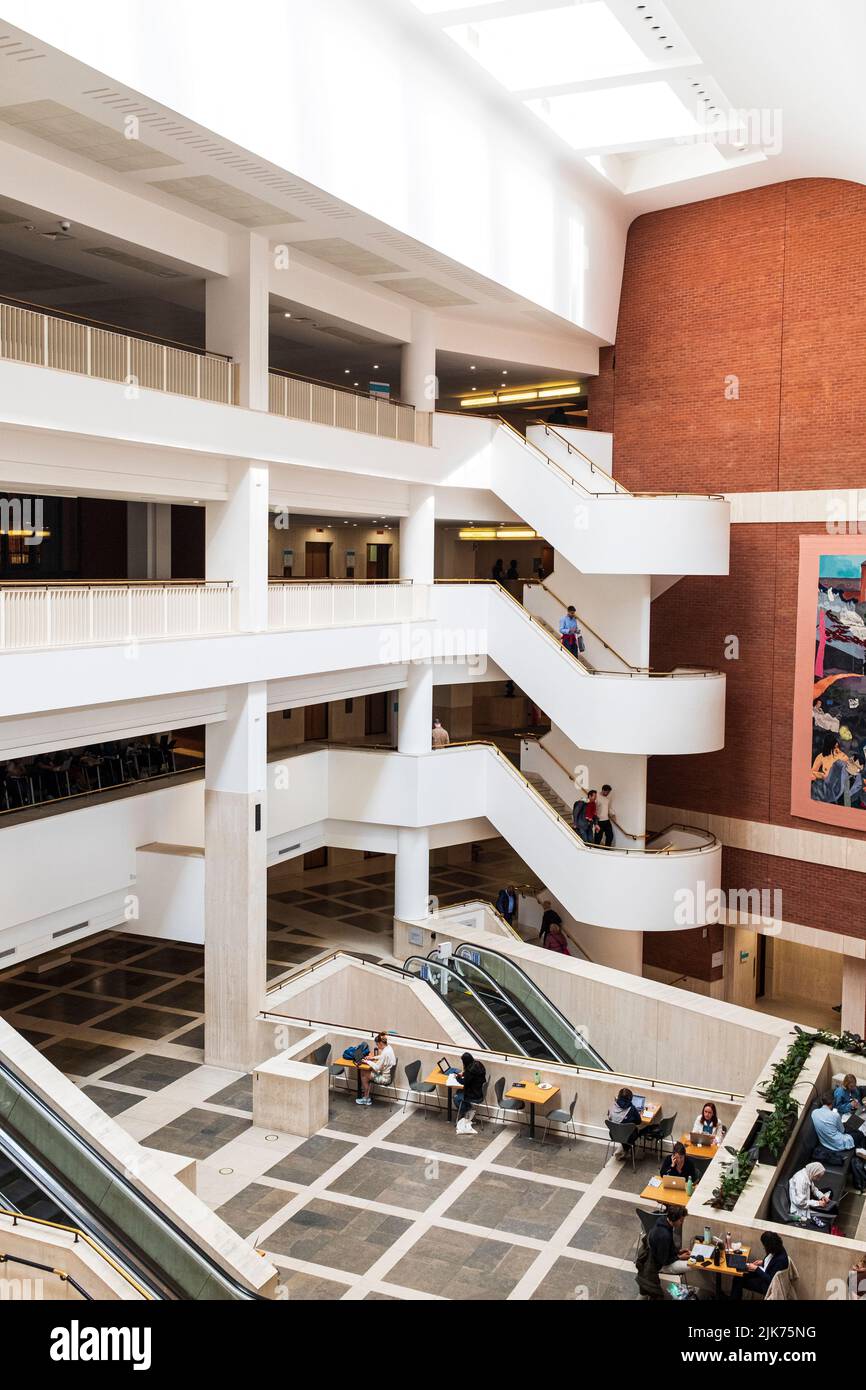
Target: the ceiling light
(475, 388)
(347, 370)
(287, 315)
(375, 366)
(505, 371)
(496, 533)
(477, 533)
(472, 369)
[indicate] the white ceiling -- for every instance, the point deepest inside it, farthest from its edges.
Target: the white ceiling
(678, 101)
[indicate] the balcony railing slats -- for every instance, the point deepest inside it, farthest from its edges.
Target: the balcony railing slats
(47, 341)
(298, 605)
(77, 614)
(319, 404)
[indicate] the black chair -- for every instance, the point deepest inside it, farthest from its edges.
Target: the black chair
(418, 1088)
(505, 1103)
(624, 1135)
(319, 1058)
(655, 1135)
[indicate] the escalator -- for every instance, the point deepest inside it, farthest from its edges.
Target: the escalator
(50, 1172)
(502, 1007)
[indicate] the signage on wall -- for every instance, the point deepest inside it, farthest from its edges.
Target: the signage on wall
(744, 956)
(288, 557)
(350, 557)
(381, 390)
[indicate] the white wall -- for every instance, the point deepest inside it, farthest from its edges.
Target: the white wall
(432, 151)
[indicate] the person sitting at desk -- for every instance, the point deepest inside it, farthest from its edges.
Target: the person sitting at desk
(379, 1068)
(623, 1112)
(708, 1123)
(848, 1095)
(677, 1164)
(833, 1141)
(472, 1079)
(760, 1273)
(804, 1194)
(664, 1242)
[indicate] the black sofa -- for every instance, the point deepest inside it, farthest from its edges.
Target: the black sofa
(836, 1180)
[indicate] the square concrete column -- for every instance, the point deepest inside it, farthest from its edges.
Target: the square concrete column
(854, 994)
(236, 542)
(418, 383)
(236, 315)
(235, 837)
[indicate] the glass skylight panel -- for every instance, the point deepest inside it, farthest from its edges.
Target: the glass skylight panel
(548, 48)
(441, 6)
(618, 116)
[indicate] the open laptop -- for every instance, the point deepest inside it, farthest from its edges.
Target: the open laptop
(447, 1071)
(671, 1180)
(639, 1103)
(700, 1140)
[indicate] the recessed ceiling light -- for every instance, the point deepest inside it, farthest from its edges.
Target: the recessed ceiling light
(668, 45)
(474, 388)
(354, 383)
(375, 366)
(505, 371)
(287, 315)
(347, 371)
(472, 369)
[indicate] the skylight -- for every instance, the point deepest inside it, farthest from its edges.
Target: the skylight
(616, 117)
(549, 48)
(441, 6)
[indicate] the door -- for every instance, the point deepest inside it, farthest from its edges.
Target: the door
(741, 956)
(315, 723)
(378, 561)
(547, 558)
(376, 713)
(317, 560)
(316, 858)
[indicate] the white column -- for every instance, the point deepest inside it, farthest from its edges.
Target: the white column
(236, 542)
(148, 529)
(418, 383)
(415, 710)
(411, 873)
(235, 947)
(236, 315)
(418, 536)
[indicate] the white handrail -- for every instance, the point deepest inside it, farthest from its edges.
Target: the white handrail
(77, 614)
(323, 604)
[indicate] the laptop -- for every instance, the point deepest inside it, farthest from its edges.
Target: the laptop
(700, 1140)
(736, 1260)
(639, 1103)
(445, 1067)
(671, 1180)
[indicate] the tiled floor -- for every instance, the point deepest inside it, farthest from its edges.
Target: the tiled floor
(381, 1204)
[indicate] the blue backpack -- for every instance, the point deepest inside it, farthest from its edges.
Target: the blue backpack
(357, 1053)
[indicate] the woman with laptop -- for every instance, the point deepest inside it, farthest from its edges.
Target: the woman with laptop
(806, 1197)
(707, 1123)
(677, 1164)
(472, 1079)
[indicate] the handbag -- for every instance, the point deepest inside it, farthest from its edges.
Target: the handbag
(581, 645)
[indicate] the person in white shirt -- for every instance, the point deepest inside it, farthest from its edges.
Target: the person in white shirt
(805, 1194)
(380, 1067)
(606, 818)
(708, 1123)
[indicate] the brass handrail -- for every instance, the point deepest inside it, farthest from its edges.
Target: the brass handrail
(397, 1039)
(713, 842)
(116, 583)
(647, 835)
(573, 449)
(88, 321)
(328, 579)
(77, 1232)
(679, 673)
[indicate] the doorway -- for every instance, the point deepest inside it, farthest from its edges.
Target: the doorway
(316, 858)
(317, 560)
(315, 723)
(378, 561)
(376, 713)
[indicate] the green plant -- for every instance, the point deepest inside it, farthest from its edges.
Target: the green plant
(777, 1126)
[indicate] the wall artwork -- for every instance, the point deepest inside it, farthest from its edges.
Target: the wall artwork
(829, 736)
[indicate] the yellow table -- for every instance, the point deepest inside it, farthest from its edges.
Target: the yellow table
(702, 1152)
(533, 1095)
(436, 1078)
(359, 1067)
(668, 1196)
(722, 1267)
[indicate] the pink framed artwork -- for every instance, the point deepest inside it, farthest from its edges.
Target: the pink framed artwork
(828, 756)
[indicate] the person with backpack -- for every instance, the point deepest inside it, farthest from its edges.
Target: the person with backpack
(472, 1078)
(380, 1067)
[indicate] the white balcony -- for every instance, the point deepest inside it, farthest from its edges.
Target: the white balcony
(293, 604)
(69, 615)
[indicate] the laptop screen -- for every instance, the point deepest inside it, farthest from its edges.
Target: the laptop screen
(444, 1065)
(638, 1102)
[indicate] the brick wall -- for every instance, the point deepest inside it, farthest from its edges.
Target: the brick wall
(767, 287)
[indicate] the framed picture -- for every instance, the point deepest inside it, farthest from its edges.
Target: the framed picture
(828, 755)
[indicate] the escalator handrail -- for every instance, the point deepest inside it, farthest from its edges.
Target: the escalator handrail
(117, 1177)
(80, 1234)
(518, 970)
(513, 1004)
(497, 1023)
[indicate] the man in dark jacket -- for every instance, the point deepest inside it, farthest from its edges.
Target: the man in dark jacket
(664, 1242)
(472, 1079)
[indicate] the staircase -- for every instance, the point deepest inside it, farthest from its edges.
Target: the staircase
(546, 792)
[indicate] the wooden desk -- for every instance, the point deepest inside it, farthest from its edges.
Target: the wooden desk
(703, 1153)
(722, 1267)
(668, 1196)
(359, 1067)
(533, 1095)
(437, 1079)
(650, 1115)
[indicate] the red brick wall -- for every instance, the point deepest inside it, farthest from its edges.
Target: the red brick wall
(768, 286)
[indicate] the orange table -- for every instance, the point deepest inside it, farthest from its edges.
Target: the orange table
(702, 1152)
(533, 1095)
(359, 1067)
(669, 1196)
(650, 1114)
(722, 1267)
(436, 1078)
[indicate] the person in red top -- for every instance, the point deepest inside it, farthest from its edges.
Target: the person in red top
(590, 817)
(555, 940)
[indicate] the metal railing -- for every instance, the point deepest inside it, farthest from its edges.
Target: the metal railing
(318, 403)
(71, 344)
(329, 603)
(74, 614)
(591, 465)
(77, 1234)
